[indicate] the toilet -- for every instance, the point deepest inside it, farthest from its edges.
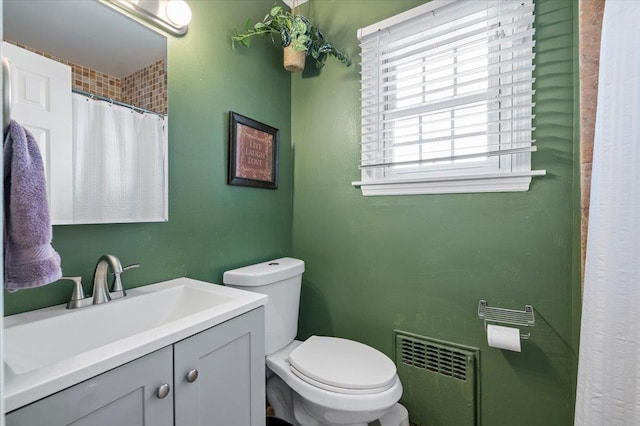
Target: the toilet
(323, 381)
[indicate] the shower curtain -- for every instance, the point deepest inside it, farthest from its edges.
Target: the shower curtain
(118, 163)
(608, 390)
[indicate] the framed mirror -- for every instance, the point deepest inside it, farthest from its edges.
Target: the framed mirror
(91, 85)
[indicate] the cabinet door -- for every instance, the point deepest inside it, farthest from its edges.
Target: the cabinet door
(123, 396)
(229, 389)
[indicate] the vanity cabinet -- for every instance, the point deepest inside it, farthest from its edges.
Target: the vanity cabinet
(216, 377)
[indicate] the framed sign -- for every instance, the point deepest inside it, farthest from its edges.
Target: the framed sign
(253, 153)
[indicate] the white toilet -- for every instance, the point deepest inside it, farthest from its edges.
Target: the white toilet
(323, 381)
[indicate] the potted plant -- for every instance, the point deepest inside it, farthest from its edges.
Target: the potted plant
(299, 38)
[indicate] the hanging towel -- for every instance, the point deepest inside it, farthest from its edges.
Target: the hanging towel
(29, 258)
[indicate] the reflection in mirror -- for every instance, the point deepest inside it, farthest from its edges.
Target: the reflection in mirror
(90, 84)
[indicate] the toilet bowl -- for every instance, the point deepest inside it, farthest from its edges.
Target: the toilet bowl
(321, 403)
(323, 381)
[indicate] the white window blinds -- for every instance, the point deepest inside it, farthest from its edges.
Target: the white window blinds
(447, 92)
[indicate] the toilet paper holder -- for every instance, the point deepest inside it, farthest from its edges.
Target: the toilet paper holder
(524, 318)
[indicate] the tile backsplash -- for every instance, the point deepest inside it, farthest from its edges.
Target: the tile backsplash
(147, 88)
(590, 29)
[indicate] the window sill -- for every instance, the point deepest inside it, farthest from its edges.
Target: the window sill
(495, 182)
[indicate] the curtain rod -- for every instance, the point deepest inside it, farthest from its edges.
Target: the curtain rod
(113, 101)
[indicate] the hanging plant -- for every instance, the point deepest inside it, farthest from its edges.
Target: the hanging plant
(297, 35)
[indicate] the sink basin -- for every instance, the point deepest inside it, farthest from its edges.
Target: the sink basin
(53, 348)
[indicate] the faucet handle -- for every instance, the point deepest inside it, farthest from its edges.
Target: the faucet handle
(117, 291)
(135, 265)
(77, 295)
(78, 291)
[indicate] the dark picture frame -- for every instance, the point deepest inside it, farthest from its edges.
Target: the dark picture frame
(253, 152)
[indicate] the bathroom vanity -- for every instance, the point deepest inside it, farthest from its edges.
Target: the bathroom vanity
(202, 363)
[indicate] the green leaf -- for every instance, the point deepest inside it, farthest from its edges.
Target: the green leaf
(286, 37)
(299, 26)
(275, 11)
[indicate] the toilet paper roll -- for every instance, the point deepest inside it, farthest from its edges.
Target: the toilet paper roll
(503, 337)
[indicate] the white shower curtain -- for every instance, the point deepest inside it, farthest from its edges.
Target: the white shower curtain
(609, 365)
(118, 163)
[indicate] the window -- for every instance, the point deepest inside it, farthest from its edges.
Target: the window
(447, 103)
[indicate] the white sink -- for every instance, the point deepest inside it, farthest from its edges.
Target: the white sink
(53, 348)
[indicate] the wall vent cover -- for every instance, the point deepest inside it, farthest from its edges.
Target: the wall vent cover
(440, 380)
(435, 357)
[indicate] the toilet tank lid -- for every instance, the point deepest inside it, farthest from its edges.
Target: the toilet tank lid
(264, 273)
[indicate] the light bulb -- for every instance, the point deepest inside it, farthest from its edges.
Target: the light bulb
(178, 12)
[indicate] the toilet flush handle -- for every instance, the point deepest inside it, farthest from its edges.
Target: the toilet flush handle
(192, 375)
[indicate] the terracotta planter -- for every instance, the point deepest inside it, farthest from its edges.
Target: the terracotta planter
(294, 59)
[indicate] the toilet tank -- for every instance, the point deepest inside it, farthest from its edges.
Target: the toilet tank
(280, 279)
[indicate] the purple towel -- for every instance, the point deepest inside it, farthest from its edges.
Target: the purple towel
(29, 258)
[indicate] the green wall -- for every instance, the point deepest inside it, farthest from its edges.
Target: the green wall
(212, 226)
(416, 263)
(421, 263)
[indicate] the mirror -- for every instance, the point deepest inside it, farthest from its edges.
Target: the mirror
(109, 164)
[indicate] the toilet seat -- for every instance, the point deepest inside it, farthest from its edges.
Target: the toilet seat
(342, 366)
(337, 389)
(278, 363)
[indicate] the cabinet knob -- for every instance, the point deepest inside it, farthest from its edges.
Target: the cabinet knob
(163, 391)
(192, 376)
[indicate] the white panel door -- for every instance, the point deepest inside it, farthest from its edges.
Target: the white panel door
(41, 102)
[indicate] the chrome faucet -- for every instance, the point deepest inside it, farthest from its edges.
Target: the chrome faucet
(100, 286)
(101, 292)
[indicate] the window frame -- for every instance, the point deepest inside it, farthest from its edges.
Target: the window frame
(500, 173)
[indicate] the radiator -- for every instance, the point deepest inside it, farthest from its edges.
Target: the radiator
(440, 380)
